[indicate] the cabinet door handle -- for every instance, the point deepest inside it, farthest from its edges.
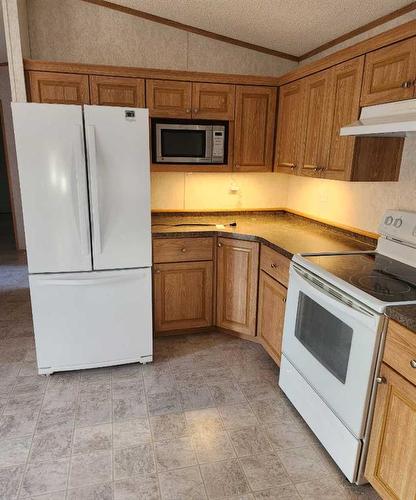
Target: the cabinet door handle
(219, 244)
(273, 265)
(196, 110)
(407, 84)
(187, 110)
(413, 363)
(157, 271)
(183, 250)
(284, 300)
(381, 380)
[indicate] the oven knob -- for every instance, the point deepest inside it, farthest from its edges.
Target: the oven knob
(398, 222)
(388, 220)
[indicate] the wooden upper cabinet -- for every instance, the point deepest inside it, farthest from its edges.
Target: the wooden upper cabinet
(289, 128)
(182, 295)
(58, 88)
(391, 457)
(213, 101)
(390, 73)
(345, 89)
(117, 91)
(317, 117)
(254, 128)
(166, 98)
(237, 276)
(271, 313)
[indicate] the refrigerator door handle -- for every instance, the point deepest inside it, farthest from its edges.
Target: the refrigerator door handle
(81, 189)
(95, 205)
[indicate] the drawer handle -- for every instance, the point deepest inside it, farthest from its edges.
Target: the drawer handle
(284, 300)
(195, 110)
(381, 380)
(273, 265)
(407, 84)
(157, 271)
(188, 110)
(219, 244)
(183, 250)
(413, 363)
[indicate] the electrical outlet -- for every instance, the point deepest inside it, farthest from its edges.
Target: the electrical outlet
(234, 188)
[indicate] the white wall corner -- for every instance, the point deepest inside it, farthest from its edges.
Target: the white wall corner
(16, 33)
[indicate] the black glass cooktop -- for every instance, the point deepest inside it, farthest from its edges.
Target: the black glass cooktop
(384, 278)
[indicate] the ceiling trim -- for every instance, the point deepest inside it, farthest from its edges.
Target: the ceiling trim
(359, 31)
(191, 29)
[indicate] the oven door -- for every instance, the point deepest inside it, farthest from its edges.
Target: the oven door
(181, 143)
(332, 341)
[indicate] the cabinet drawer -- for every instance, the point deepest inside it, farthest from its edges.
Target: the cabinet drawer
(182, 249)
(400, 350)
(275, 264)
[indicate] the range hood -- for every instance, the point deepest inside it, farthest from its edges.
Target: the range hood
(394, 119)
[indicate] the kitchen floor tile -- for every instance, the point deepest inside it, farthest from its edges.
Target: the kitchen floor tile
(250, 441)
(182, 484)
(143, 487)
(45, 477)
(264, 471)
(14, 451)
(10, 478)
(237, 416)
(213, 446)
(94, 438)
(224, 479)
(51, 445)
(135, 460)
(91, 468)
(170, 426)
(131, 432)
(175, 454)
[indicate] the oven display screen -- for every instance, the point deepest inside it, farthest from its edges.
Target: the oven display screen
(324, 335)
(183, 143)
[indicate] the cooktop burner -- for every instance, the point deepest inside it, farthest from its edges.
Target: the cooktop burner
(385, 279)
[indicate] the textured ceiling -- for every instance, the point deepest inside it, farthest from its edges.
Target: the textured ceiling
(292, 26)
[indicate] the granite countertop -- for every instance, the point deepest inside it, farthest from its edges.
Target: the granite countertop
(286, 233)
(405, 315)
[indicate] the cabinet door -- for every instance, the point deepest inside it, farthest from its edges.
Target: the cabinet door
(168, 98)
(213, 101)
(392, 452)
(254, 128)
(271, 313)
(389, 73)
(317, 119)
(182, 295)
(58, 88)
(345, 102)
(237, 277)
(117, 91)
(290, 130)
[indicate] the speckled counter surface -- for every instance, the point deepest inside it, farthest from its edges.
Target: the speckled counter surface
(285, 233)
(405, 315)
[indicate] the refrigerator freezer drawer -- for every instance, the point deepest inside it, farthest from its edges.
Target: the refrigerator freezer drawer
(86, 320)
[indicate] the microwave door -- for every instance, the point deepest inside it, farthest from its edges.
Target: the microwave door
(182, 143)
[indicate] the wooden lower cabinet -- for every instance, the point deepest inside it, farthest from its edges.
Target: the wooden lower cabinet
(182, 295)
(237, 279)
(271, 313)
(391, 462)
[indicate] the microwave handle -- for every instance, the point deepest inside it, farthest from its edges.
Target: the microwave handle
(209, 143)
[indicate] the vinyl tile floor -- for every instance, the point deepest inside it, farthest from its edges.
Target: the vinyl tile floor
(205, 420)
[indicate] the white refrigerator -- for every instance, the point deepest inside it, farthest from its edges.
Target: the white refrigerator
(85, 184)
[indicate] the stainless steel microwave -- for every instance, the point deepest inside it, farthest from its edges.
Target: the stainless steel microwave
(189, 141)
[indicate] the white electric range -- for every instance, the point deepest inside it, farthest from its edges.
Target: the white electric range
(334, 332)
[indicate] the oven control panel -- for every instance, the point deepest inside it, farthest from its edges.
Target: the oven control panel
(399, 225)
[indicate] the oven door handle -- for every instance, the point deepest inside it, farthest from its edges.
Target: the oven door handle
(330, 292)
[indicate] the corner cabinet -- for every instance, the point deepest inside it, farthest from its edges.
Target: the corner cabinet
(391, 462)
(58, 88)
(390, 73)
(254, 128)
(117, 91)
(237, 279)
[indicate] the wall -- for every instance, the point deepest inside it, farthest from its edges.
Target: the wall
(99, 35)
(5, 98)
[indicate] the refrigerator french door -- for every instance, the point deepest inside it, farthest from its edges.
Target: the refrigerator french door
(330, 349)
(85, 183)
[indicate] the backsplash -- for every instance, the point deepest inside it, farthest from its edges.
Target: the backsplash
(355, 204)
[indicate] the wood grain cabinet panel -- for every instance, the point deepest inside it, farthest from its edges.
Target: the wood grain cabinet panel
(390, 73)
(167, 98)
(213, 101)
(275, 264)
(182, 295)
(290, 130)
(391, 461)
(182, 249)
(117, 91)
(237, 279)
(271, 313)
(254, 128)
(400, 351)
(58, 88)
(345, 89)
(317, 123)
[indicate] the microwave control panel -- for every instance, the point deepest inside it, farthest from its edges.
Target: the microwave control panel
(218, 143)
